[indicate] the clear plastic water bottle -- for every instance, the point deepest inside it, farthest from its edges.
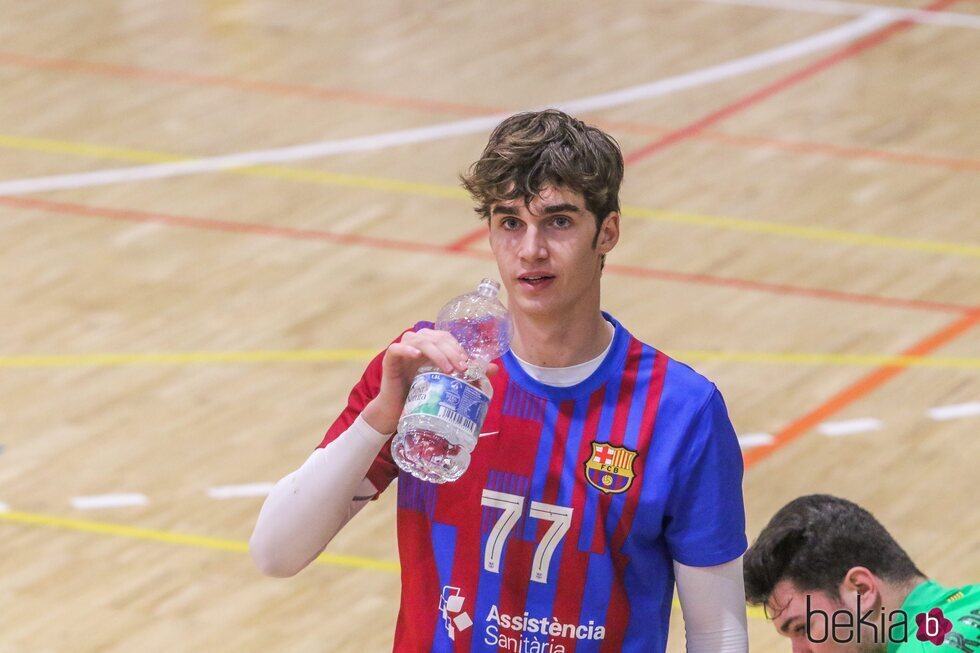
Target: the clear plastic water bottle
(443, 414)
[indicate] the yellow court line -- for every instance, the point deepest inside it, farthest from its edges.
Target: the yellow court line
(183, 358)
(451, 192)
(268, 171)
(809, 233)
(355, 181)
(348, 355)
(210, 543)
(180, 539)
(88, 150)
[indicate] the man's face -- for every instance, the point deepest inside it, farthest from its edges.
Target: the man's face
(810, 624)
(545, 251)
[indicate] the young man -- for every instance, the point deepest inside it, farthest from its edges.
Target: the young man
(831, 578)
(607, 469)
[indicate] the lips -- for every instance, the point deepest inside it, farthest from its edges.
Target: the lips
(536, 279)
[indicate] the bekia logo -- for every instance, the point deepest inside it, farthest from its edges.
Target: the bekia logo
(842, 627)
(451, 609)
(933, 626)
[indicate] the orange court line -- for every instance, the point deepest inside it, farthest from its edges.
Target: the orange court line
(296, 233)
(861, 388)
(437, 106)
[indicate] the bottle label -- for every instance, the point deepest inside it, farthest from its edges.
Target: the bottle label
(449, 399)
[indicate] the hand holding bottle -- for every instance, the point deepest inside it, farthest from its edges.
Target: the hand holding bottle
(400, 365)
(446, 403)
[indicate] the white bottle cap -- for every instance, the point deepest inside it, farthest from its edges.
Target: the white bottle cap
(489, 288)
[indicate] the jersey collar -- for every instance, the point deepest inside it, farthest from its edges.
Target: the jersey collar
(613, 361)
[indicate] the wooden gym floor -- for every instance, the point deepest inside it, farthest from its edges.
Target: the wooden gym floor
(213, 213)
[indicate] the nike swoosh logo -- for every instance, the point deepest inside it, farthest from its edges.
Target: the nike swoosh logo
(489, 433)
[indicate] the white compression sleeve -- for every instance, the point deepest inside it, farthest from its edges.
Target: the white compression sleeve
(713, 603)
(306, 508)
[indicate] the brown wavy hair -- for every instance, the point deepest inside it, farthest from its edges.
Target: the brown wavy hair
(531, 150)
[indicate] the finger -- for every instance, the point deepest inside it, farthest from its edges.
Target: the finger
(492, 369)
(456, 349)
(454, 352)
(446, 343)
(402, 350)
(435, 353)
(441, 336)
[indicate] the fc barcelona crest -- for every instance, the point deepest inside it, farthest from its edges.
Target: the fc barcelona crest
(609, 468)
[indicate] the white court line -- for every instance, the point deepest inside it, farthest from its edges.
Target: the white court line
(955, 411)
(821, 41)
(849, 427)
(943, 18)
(108, 501)
(750, 440)
(239, 491)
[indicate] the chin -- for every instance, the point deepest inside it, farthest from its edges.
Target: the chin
(533, 306)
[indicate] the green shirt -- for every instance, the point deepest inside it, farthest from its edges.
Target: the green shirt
(960, 605)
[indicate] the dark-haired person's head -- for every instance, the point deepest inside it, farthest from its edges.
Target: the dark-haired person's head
(820, 558)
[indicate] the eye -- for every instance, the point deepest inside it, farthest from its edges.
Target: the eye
(562, 221)
(510, 223)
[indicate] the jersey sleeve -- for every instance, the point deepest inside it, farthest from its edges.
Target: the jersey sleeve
(383, 470)
(705, 513)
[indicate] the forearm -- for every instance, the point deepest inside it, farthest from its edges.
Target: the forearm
(713, 603)
(306, 508)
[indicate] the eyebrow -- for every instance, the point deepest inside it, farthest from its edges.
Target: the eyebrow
(548, 210)
(788, 623)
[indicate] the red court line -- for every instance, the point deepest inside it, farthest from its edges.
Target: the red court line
(466, 240)
(880, 376)
(199, 79)
(807, 147)
(766, 92)
(861, 388)
(696, 128)
(211, 224)
(378, 99)
(845, 151)
(786, 289)
(408, 246)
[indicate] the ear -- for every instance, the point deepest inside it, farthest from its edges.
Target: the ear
(608, 233)
(859, 581)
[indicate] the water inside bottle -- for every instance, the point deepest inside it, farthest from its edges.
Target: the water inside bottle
(430, 456)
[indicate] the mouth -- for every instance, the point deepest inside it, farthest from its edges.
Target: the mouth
(536, 281)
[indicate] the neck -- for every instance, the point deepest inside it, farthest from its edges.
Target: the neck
(561, 341)
(895, 595)
(892, 598)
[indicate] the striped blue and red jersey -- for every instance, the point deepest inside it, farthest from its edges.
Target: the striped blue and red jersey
(562, 533)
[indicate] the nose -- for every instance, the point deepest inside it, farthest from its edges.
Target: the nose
(533, 246)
